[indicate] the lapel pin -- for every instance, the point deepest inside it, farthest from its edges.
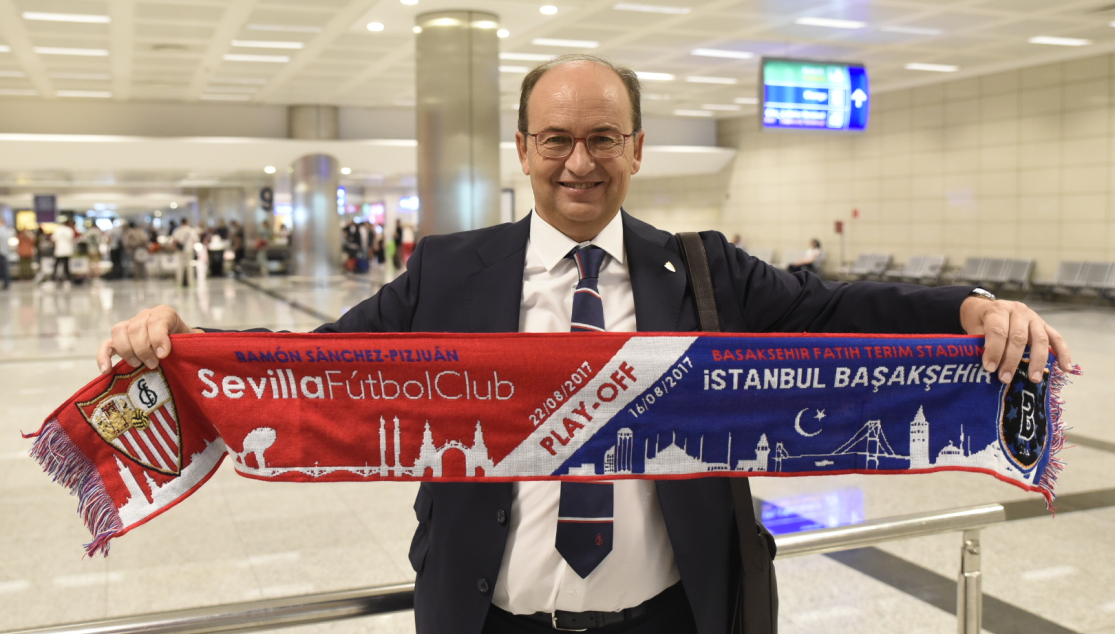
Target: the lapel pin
(670, 267)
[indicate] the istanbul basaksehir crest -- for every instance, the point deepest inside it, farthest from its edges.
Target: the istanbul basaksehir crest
(1024, 420)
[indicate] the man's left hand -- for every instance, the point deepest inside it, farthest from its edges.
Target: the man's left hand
(1009, 327)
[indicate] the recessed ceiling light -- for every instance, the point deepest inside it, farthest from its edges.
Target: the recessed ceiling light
(82, 52)
(548, 9)
(277, 59)
(747, 101)
(66, 17)
(912, 30)
(650, 8)
(93, 94)
(416, 29)
(444, 22)
(12, 73)
(503, 33)
(547, 41)
(267, 44)
(270, 169)
(346, 170)
(693, 79)
(692, 113)
(1059, 41)
(933, 68)
(243, 90)
(282, 28)
(5, 49)
(205, 96)
(238, 80)
(375, 26)
(409, 1)
(513, 69)
(174, 205)
(87, 76)
(726, 107)
(526, 57)
(655, 96)
(716, 52)
(831, 23)
(18, 92)
(654, 76)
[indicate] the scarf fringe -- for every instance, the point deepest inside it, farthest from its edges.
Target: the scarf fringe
(60, 457)
(1058, 379)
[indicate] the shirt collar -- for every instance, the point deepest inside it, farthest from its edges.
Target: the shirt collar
(552, 245)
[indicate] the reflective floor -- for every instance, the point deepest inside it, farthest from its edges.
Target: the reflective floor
(238, 539)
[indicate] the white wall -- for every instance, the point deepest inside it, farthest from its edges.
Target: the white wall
(1015, 164)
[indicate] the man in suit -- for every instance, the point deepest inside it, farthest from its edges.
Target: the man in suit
(485, 554)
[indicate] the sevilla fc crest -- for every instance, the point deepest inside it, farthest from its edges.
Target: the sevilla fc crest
(136, 415)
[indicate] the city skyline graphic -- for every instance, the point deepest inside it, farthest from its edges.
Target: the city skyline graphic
(868, 449)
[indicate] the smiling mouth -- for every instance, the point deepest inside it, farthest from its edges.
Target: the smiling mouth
(580, 185)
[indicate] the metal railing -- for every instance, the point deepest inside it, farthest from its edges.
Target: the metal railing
(331, 606)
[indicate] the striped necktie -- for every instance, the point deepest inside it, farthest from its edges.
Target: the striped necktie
(584, 530)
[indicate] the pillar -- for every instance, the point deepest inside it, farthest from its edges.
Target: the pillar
(457, 82)
(315, 240)
(313, 122)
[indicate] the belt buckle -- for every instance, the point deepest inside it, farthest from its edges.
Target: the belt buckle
(554, 622)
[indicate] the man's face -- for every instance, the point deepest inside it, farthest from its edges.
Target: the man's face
(579, 194)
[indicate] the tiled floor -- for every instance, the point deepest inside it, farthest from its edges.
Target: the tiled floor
(238, 539)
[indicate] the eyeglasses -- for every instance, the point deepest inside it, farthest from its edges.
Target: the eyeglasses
(560, 145)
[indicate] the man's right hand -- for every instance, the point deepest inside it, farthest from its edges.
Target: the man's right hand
(143, 339)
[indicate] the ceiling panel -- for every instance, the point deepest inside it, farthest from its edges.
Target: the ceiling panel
(172, 39)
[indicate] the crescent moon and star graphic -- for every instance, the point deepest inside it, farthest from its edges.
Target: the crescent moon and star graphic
(797, 422)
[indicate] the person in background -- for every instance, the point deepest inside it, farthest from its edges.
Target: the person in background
(26, 251)
(184, 238)
(63, 238)
(397, 253)
(116, 249)
(263, 241)
(134, 244)
(378, 251)
(6, 234)
(236, 236)
(93, 238)
(408, 242)
(44, 248)
(811, 261)
(216, 246)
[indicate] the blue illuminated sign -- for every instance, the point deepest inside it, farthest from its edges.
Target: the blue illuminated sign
(813, 511)
(807, 95)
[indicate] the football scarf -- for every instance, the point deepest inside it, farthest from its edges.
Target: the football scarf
(490, 408)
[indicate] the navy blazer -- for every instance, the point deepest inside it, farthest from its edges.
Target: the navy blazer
(472, 282)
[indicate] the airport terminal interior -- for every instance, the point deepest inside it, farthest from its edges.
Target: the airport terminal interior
(284, 157)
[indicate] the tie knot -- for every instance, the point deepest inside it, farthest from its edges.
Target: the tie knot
(589, 260)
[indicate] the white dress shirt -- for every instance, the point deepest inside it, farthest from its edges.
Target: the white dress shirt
(533, 576)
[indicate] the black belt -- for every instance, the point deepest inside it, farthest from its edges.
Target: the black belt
(581, 621)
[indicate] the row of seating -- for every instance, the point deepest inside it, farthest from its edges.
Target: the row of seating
(996, 274)
(1075, 278)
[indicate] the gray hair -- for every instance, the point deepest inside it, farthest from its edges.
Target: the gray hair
(630, 81)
